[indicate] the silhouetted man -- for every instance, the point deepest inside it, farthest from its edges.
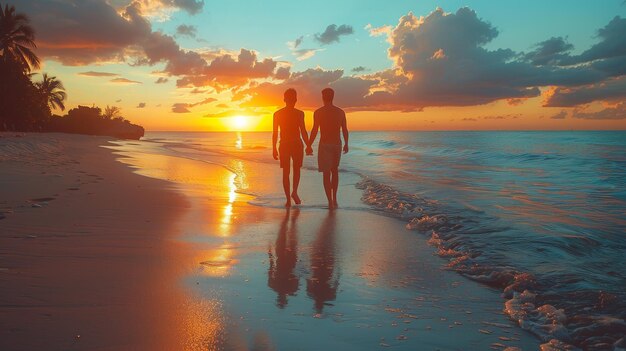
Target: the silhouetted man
(290, 122)
(330, 120)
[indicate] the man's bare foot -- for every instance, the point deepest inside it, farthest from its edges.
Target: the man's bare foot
(288, 203)
(335, 204)
(331, 205)
(296, 198)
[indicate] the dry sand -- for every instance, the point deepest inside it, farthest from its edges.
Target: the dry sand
(133, 263)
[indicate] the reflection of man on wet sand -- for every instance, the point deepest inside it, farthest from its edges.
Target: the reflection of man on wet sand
(331, 121)
(323, 284)
(280, 276)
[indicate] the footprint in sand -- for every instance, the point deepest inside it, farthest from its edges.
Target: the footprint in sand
(40, 202)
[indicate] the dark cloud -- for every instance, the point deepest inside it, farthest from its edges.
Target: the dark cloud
(610, 90)
(332, 33)
(72, 31)
(560, 115)
(549, 52)
(180, 108)
(184, 107)
(124, 81)
(294, 44)
(97, 74)
(141, 105)
(191, 6)
(616, 112)
(161, 80)
(358, 69)
(611, 45)
(187, 30)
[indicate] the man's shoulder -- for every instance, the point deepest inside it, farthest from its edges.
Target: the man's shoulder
(279, 111)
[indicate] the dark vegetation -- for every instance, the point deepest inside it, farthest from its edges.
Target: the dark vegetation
(26, 105)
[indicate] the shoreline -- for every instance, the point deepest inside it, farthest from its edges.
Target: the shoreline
(234, 269)
(222, 267)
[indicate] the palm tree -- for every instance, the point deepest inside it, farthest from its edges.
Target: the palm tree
(17, 39)
(52, 91)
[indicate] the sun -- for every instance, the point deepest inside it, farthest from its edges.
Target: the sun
(239, 122)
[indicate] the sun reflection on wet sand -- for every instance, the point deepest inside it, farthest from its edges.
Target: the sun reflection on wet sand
(239, 141)
(218, 262)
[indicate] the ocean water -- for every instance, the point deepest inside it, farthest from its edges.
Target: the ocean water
(539, 215)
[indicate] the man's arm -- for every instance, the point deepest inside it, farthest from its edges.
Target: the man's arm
(303, 132)
(344, 129)
(316, 126)
(275, 138)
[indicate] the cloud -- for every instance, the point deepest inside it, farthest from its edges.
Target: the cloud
(222, 105)
(378, 31)
(124, 81)
(191, 6)
(610, 90)
(304, 54)
(141, 105)
(227, 71)
(550, 51)
(294, 44)
(161, 80)
(97, 74)
(187, 30)
(349, 91)
(203, 102)
(72, 32)
(439, 60)
(332, 33)
(180, 108)
(560, 115)
(611, 113)
(358, 69)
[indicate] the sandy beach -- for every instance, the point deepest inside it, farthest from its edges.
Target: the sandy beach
(178, 256)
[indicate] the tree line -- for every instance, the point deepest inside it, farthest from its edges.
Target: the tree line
(26, 104)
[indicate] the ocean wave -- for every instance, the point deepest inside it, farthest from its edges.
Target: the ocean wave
(562, 321)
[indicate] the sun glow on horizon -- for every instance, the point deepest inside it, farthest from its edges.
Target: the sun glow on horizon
(239, 123)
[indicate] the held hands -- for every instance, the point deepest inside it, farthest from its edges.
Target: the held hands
(309, 150)
(345, 149)
(275, 154)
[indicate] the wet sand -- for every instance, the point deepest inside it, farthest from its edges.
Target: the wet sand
(183, 259)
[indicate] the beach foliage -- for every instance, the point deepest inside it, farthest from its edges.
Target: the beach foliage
(26, 105)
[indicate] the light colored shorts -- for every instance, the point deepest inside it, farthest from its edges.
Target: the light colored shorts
(328, 157)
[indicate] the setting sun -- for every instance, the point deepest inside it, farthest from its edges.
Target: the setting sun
(239, 122)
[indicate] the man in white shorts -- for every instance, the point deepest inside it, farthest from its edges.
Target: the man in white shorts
(331, 122)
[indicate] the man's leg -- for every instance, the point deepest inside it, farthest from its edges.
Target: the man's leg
(335, 184)
(286, 167)
(328, 189)
(296, 182)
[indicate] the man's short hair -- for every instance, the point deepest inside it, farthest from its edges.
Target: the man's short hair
(290, 94)
(328, 94)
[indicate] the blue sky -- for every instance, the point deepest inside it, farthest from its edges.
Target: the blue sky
(268, 25)
(455, 73)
